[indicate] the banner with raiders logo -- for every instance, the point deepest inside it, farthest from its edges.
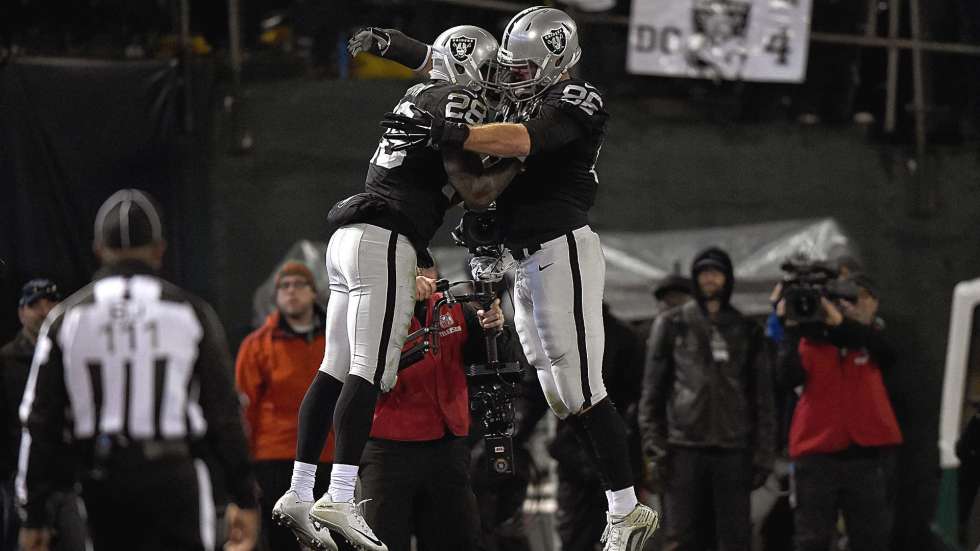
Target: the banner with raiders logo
(758, 40)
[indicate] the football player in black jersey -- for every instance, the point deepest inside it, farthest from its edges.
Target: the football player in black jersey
(380, 237)
(560, 125)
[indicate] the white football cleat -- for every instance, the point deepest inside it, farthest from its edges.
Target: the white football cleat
(630, 532)
(294, 514)
(347, 519)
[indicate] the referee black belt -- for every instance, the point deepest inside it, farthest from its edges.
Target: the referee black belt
(522, 253)
(119, 447)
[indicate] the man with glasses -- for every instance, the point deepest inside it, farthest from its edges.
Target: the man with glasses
(276, 364)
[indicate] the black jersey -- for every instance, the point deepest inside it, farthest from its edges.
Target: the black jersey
(414, 183)
(557, 188)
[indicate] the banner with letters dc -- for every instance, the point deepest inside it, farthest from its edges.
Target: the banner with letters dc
(758, 40)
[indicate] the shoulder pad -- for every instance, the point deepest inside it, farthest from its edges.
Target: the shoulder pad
(579, 99)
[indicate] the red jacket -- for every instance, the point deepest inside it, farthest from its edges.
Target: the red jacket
(274, 368)
(844, 402)
(430, 397)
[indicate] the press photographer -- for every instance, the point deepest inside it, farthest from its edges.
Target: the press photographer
(415, 467)
(843, 427)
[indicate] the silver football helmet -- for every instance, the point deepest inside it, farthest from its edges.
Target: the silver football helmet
(463, 55)
(539, 45)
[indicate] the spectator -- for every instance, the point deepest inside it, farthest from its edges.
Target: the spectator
(581, 491)
(37, 298)
(843, 427)
(415, 467)
(706, 412)
(276, 364)
(673, 291)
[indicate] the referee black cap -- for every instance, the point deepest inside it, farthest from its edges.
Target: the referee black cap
(129, 218)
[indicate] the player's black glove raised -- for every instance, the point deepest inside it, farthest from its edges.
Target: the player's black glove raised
(421, 129)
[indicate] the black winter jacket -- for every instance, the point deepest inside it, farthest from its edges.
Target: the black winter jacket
(691, 400)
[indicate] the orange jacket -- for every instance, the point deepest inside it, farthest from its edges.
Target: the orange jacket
(274, 368)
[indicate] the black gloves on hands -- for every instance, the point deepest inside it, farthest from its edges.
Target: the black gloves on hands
(421, 129)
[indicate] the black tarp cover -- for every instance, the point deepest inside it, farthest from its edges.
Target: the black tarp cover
(71, 133)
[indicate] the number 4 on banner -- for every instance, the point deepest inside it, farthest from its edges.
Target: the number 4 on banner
(778, 45)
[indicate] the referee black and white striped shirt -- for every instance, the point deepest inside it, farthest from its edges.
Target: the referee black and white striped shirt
(133, 358)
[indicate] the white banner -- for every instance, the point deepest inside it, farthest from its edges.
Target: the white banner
(760, 40)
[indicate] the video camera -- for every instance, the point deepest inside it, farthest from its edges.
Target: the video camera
(479, 232)
(805, 283)
(493, 384)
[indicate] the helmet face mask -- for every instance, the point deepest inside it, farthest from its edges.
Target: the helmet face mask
(539, 45)
(520, 81)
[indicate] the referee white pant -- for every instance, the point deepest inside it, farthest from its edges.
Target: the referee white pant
(558, 316)
(372, 296)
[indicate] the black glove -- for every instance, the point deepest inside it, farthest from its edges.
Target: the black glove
(760, 475)
(389, 44)
(420, 130)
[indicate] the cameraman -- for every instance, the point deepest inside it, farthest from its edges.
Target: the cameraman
(415, 467)
(843, 427)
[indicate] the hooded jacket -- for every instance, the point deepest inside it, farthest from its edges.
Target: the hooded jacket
(274, 368)
(700, 394)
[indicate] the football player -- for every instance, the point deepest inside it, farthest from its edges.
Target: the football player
(560, 279)
(380, 238)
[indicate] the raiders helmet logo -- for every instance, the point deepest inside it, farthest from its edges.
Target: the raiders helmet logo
(555, 40)
(462, 47)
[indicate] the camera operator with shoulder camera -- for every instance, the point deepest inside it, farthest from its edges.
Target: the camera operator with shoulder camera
(843, 427)
(415, 467)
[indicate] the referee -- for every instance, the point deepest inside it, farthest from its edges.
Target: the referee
(130, 386)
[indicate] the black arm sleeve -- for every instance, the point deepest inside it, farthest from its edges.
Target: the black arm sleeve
(657, 376)
(552, 129)
(855, 335)
(222, 409)
(45, 404)
(406, 50)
